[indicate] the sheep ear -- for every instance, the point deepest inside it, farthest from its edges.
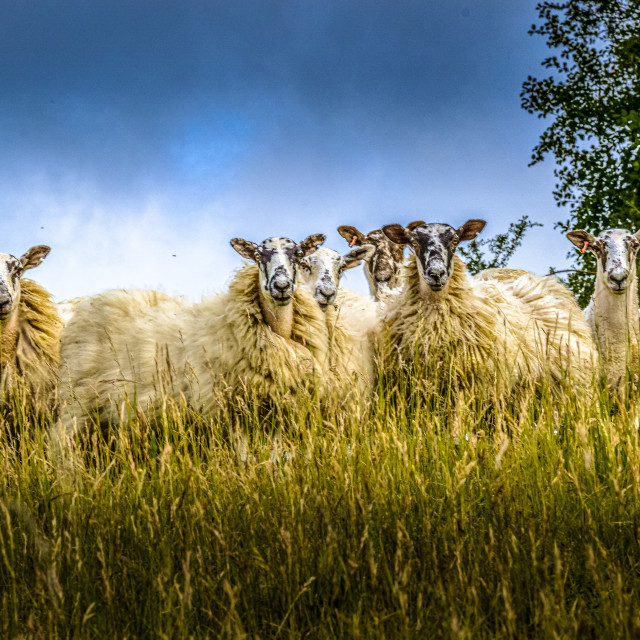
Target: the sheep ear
(414, 225)
(34, 256)
(355, 257)
(351, 234)
(245, 248)
(581, 239)
(397, 233)
(311, 243)
(470, 229)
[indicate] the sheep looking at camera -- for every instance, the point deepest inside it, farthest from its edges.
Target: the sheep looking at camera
(263, 339)
(481, 329)
(30, 329)
(612, 314)
(321, 272)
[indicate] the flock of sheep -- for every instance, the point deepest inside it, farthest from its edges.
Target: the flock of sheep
(285, 327)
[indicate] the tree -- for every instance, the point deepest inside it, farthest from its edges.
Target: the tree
(501, 247)
(594, 103)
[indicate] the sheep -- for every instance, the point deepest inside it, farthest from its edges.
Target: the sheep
(264, 340)
(66, 308)
(321, 272)
(492, 335)
(383, 267)
(30, 330)
(612, 313)
(551, 306)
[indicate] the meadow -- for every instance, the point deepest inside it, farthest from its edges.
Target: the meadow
(422, 516)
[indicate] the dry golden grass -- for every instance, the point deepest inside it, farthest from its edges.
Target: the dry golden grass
(426, 515)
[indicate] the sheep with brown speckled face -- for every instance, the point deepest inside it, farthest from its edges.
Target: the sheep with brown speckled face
(493, 334)
(382, 267)
(278, 261)
(265, 339)
(612, 313)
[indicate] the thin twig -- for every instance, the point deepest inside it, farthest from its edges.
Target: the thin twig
(553, 273)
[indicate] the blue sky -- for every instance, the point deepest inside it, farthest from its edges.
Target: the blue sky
(137, 138)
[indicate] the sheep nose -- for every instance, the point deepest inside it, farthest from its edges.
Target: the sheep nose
(619, 275)
(436, 273)
(327, 292)
(281, 285)
(325, 297)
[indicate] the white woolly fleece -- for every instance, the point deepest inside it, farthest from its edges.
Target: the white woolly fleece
(155, 347)
(499, 331)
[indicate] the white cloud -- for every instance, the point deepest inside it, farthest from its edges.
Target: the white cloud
(119, 245)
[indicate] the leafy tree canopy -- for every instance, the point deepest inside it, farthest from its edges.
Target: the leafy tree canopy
(592, 97)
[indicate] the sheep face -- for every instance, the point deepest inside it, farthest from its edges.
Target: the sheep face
(11, 270)
(322, 270)
(434, 245)
(615, 250)
(382, 267)
(278, 260)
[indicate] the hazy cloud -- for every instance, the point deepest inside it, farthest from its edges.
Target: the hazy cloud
(132, 126)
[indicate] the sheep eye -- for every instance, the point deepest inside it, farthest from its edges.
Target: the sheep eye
(299, 253)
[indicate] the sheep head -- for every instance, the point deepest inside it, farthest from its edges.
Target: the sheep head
(322, 270)
(278, 261)
(434, 245)
(615, 251)
(11, 270)
(382, 267)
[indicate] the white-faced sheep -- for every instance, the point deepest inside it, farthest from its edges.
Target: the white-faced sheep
(480, 328)
(263, 339)
(30, 329)
(321, 272)
(382, 267)
(612, 314)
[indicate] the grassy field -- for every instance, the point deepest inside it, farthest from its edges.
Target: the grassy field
(412, 519)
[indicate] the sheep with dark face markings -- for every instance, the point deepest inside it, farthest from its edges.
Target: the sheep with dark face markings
(30, 329)
(264, 339)
(492, 336)
(612, 314)
(382, 267)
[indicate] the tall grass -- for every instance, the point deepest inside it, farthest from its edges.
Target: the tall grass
(417, 518)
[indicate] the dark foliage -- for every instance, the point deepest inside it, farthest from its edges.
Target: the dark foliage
(592, 97)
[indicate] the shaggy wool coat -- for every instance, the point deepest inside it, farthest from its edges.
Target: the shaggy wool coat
(148, 346)
(30, 346)
(496, 332)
